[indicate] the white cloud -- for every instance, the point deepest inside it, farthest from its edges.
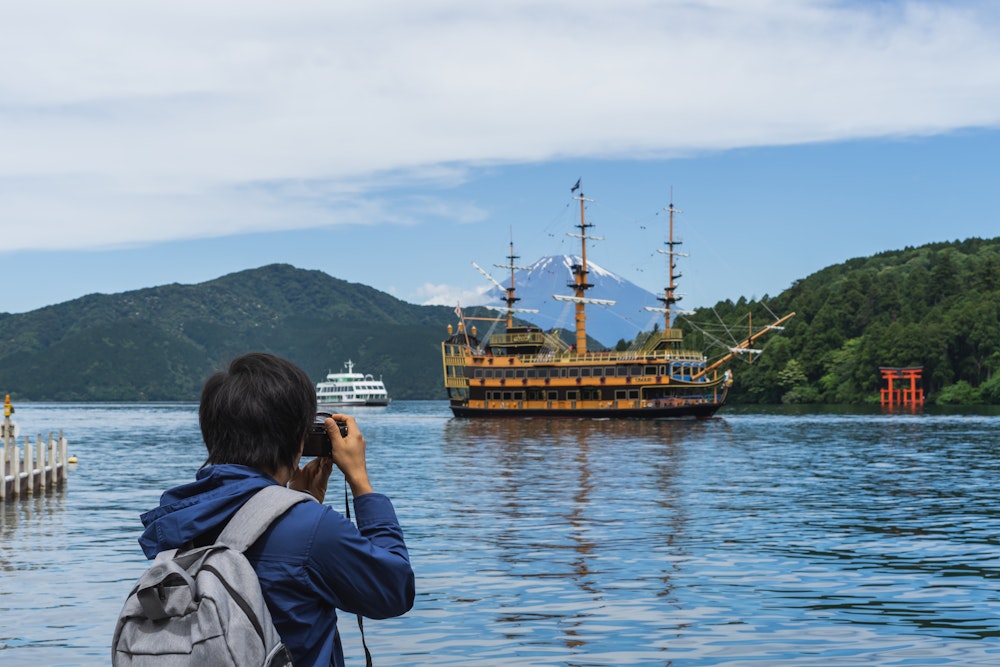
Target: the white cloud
(430, 294)
(126, 122)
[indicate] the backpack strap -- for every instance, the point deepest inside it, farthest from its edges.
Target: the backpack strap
(257, 514)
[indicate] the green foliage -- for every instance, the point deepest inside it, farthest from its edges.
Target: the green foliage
(161, 343)
(936, 306)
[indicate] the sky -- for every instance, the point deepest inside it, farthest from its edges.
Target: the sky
(394, 142)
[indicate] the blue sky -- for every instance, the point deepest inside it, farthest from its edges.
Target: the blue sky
(393, 143)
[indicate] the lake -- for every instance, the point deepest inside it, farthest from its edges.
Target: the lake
(776, 537)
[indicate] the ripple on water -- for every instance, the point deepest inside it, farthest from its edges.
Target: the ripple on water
(762, 537)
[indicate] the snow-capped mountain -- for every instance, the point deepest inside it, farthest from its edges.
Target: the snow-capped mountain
(536, 284)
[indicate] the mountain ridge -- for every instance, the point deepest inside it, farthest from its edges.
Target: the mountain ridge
(936, 306)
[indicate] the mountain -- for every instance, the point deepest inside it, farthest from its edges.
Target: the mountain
(161, 343)
(935, 306)
(535, 285)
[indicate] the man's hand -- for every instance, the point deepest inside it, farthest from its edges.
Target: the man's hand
(313, 477)
(349, 453)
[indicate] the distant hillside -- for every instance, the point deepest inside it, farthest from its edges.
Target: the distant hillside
(161, 343)
(536, 284)
(936, 306)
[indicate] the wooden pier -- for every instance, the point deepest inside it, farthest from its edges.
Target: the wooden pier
(34, 468)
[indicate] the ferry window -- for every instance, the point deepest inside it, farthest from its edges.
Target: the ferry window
(478, 373)
(650, 370)
(663, 370)
(553, 396)
(571, 395)
(506, 396)
(620, 395)
(633, 393)
(622, 371)
(585, 372)
(518, 395)
(573, 372)
(508, 373)
(519, 373)
(532, 373)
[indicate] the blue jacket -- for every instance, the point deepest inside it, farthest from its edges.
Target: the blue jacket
(310, 562)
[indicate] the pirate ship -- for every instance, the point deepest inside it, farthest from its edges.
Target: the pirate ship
(524, 371)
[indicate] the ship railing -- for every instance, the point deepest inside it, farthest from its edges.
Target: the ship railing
(615, 355)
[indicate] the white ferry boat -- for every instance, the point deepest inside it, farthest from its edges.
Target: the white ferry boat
(350, 389)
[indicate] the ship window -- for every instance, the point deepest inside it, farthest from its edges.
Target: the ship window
(532, 373)
(478, 373)
(633, 393)
(573, 372)
(620, 395)
(518, 395)
(506, 396)
(519, 373)
(650, 370)
(553, 396)
(508, 373)
(571, 395)
(585, 372)
(622, 371)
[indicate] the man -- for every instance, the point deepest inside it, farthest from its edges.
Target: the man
(254, 417)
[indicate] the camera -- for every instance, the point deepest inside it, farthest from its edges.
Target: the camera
(318, 440)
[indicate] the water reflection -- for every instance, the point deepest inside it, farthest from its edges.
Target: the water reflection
(783, 538)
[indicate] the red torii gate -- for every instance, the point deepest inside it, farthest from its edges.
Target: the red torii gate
(903, 396)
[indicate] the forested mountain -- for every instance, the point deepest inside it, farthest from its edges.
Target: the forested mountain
(936, 306)
(161, 343)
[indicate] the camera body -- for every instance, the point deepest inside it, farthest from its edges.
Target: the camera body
(318, 440)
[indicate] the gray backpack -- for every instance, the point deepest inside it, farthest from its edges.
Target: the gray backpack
(204, 606)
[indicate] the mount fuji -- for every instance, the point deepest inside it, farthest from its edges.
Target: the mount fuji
(535, 285)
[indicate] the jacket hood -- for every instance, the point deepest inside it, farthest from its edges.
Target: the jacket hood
(199, 507)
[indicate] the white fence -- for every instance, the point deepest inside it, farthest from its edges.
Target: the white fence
(34, 467)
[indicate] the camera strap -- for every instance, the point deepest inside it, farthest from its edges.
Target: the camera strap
(361, 624)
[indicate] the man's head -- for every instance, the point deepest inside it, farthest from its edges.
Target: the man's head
(256, 412)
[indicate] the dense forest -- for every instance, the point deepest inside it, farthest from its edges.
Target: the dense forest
(160, 343)
(935, 306)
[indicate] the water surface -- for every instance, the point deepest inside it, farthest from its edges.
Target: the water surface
(773, 538)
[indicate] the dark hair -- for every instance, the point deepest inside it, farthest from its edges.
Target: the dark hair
(256, 412)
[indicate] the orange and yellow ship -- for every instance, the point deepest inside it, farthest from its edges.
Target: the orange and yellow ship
(527, 372)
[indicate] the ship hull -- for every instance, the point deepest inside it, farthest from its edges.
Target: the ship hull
(700, 411)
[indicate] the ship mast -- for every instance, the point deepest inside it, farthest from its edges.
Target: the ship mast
(670, 296)
(580, 284)
(510, 298)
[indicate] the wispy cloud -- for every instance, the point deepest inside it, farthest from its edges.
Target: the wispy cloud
(126, 122)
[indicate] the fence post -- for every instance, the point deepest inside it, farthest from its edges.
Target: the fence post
(63, 458)
(53, 471)
(3, 468)
(29, 465)
(40, 457)
(15, 469)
